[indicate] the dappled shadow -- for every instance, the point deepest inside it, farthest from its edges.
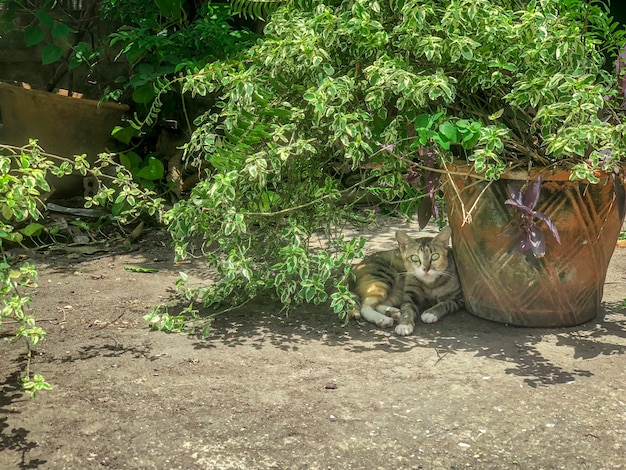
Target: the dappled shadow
(256, 326)
(93, 351)
(153, 250)
(600, 337)
(15, 439)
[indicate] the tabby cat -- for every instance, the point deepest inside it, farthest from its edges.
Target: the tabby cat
(392, 285)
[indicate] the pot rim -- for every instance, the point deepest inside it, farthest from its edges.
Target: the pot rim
(464, 168)
(56, 97)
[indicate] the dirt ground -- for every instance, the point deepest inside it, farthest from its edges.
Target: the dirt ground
(270, 391)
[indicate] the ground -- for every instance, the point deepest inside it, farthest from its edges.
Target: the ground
(271, 391)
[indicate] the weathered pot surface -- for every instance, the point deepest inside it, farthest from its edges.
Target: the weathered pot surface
(563, 288)
(62, 125)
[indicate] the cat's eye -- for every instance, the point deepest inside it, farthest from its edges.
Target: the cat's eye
(415, 259)
(434, 257)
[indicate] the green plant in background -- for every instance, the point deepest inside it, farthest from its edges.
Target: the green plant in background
(146, 170)
(56, 25)
(160, 41)
(23, 172)
(341, 100)
(162, 38)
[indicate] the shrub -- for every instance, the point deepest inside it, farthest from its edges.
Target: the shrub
(23, 172)
(345, 99)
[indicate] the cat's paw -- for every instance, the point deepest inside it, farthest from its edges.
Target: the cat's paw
(392, 312)
(385, 322)
(404, 330)
(428, 317)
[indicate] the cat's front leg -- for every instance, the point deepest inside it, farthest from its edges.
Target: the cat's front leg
(440, 310)
(408, 312)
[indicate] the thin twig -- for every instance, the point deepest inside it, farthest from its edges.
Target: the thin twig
(458, 195)
(9, 322)
(310, 203)
(469, 214)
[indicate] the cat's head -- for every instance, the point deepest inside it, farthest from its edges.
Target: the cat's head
(425, 258)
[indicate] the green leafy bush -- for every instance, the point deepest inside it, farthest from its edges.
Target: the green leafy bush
(345, 99)
(160, 41)
(23, 172)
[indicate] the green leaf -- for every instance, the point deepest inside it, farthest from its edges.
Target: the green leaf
(144, 69)
(467, 53)
(32, 230)
(45, 18)
(496, 115)
(61, 31)
(124, 134)
(449, 130)
(154, 171)
(33, 35)
(309, 293)
(422, 121)
(470, 140)
(50, 54)
(130, 160)
(137, 269)
(144, 94)
(442, 141)
(119, 207)
(6, 211)
(13, 237)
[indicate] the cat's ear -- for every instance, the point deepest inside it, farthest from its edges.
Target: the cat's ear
(443, 237)
(403, 239)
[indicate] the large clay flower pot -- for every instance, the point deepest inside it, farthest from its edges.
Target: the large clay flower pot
(564, 287)
(62, 125)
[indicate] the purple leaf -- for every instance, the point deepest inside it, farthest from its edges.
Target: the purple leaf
(531, 195)
(515, 193)
(518, 205)
(524, 243)
(550, 224)
(424, 212)
(537, 242)
(435, 207)
(431, 180)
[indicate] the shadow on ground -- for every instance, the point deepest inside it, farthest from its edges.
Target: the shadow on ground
(15, 439)
(253, 326)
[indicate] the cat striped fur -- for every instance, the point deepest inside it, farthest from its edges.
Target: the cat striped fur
(395, 285)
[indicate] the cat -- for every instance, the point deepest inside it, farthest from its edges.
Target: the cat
(420, 273)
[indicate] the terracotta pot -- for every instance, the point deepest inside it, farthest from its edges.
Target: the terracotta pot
(62, 125)
(563, 288)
